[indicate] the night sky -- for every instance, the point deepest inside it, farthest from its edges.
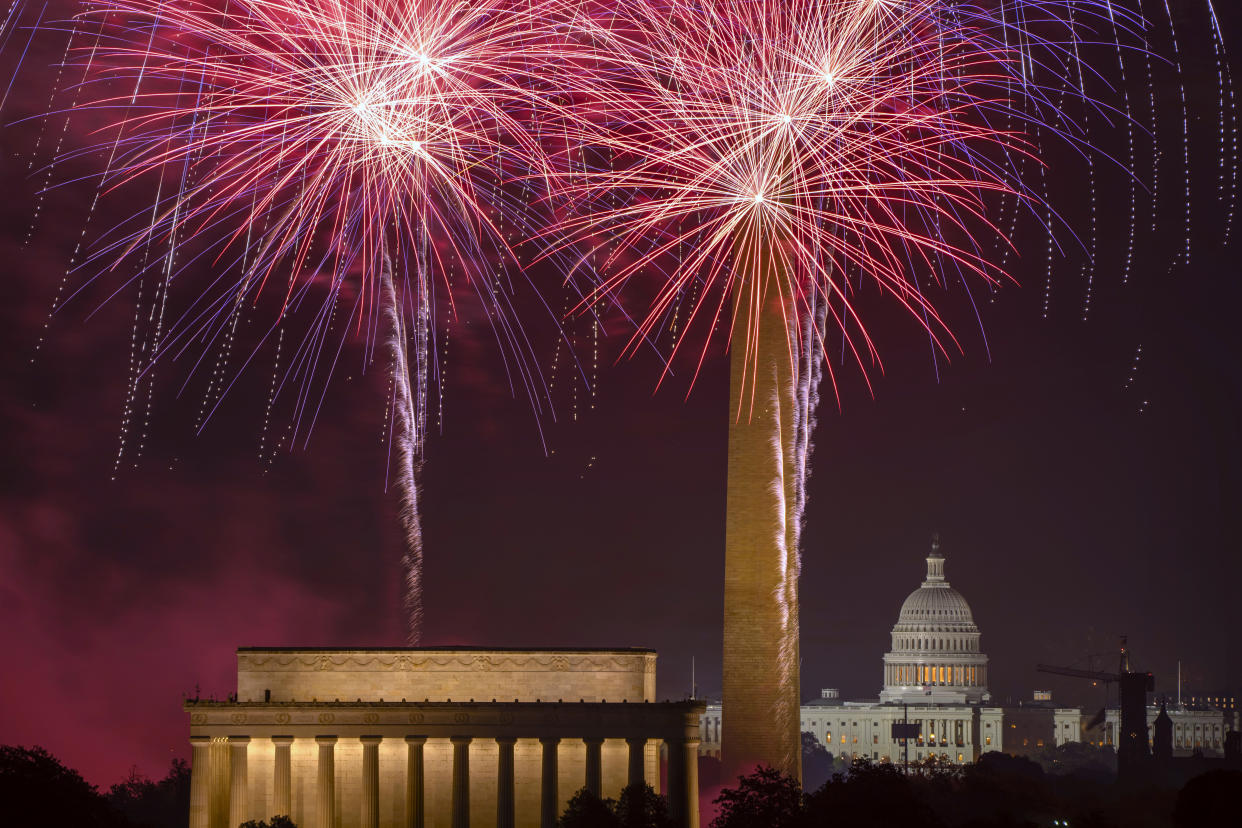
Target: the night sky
(1077, 497)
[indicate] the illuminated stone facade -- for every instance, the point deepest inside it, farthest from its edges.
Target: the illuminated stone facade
(863, 730)
(420, 737)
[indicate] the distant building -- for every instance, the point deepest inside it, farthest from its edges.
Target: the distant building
(1032, 726)
(1201, 731)
(935, 675)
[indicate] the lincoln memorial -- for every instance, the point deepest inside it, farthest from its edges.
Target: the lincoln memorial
(436, 737)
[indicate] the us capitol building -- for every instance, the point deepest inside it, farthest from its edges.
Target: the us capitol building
(935, 675)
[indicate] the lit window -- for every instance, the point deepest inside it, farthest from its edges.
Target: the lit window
(987, 740)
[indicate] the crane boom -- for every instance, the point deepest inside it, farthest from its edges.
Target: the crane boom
(1094, 675)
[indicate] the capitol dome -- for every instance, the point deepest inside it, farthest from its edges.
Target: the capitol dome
(935, 653)
(935, 602)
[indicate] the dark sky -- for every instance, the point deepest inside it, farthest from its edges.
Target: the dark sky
(1077, 498)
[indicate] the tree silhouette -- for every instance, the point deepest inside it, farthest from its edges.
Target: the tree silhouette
(763, 799)
(277, 822)
(37, 791)
(587, 810)
(148, 804)
(641, 807)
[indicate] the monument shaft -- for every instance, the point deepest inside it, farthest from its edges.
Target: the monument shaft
(760, 676)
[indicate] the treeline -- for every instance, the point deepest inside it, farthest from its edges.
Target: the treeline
(1070, 787)
(38, 791)
(998, 791)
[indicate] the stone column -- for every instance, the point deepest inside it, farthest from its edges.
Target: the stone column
(594, 764)
(200, 780)
(461, 781)
(370, 781)
(683, 782)
(415, 812)
(638, 761)
(325, 796)
(504, 783)
(218, 798)
(690, 750)
(656, 746)
(548, 801)
(677, 784)
(239, 793)
(282, 796)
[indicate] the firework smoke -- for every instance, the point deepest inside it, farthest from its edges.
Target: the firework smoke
(409, 429)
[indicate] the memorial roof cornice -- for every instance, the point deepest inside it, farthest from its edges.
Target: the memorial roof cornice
(450, 649)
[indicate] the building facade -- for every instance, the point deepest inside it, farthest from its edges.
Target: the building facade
(1199, 731)
(1037, 724)
(418, 737)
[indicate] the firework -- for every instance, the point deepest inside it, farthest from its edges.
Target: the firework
(344, 155)
(761, 161)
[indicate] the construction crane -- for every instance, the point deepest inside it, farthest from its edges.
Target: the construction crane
(1132, 747)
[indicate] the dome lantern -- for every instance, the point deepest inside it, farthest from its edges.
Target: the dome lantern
(935, 563)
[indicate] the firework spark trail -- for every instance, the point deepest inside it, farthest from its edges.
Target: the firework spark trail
(861, 134)
(408, 424)
(344, 155)
(795, 124)
(343, 127)
(809, 375)
(1227, 151)
(1181, 88)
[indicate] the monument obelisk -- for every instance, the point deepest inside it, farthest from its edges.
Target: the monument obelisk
(761, 695)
